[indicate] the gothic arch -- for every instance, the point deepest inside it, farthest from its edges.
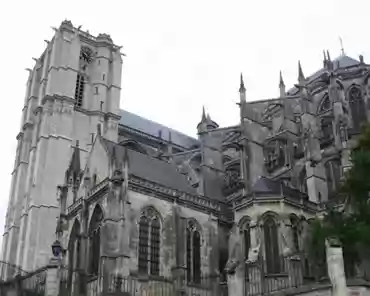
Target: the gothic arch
(74, 245)
(151, 213)
(324, 105)
(271, 242)
(302, 180)
(94, 233)
(266, 215)
(243, 222)
(98, 209)
(333, 172)
(245, 232)
(295, 224)
(357, 106)
(193, 251)
(150, 225)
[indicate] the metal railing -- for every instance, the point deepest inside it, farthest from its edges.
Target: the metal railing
(263, 278)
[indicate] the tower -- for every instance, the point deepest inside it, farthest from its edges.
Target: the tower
(74, 87)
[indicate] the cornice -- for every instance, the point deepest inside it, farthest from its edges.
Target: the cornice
(146, 187)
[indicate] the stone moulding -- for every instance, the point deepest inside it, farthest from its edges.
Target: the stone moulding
(156, 190)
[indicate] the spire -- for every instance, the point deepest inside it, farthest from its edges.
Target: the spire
(204, 117)
(73, 172)
(301, 77)
(281, 85)
(341, 46)
(328, 55)
(325, 60)
(242, 87)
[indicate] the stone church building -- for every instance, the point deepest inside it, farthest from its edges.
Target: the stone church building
(133, 197)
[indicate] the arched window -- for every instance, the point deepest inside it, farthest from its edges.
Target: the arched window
(302, 182)
(94, 238)
(246, 234)
(294, 222)
(333, 176)
(193, 244)
(357, 106)
(271, 245)
(74, 246)
(79, 91)
(149, 242)
(327, 135)
(325, 104)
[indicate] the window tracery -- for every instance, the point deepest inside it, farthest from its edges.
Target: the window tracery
(94, 238)
(357, 107)
(302, 183)
(272, 257)
(246, 234)
(232, 178)
(74, 246)
(193, 248)
(327, 135)
(275, 157)
(294, 221)
(333, 176)
(325, 104)
(149, 242)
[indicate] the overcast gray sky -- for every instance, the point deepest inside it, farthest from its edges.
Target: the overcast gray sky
(181, 54)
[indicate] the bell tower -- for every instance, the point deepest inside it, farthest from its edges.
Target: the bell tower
(74, 87)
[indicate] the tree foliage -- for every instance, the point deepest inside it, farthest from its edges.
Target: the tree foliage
(349, 222)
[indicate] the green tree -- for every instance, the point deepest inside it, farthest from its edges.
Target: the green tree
(350, 220)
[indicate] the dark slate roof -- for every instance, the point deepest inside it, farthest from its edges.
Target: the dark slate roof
(149, 127)
(344, 62)
(265, 185)
(151, 169)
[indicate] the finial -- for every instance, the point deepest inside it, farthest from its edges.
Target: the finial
(77, 143)
(328, 55)
(341, 46)
(170, 137)
(361, 58)
(300, 72)
(203, 114)
(324, 55)
(242, 87)
(281, 83)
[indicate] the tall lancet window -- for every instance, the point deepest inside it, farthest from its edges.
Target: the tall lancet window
(357, 106)
(74, 245)
(193, 245)
(94, 240)
(149, 242)
(246, 234)
(294, 222)
(271, 245)
(333, 176)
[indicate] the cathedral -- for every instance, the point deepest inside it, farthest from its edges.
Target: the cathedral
(125, 195)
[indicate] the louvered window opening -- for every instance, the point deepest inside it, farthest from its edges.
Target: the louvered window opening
(79, 92)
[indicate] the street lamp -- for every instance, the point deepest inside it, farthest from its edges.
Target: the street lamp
(56, 248)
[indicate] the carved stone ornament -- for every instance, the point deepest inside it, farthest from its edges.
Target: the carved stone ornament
(117, 178)
(274, 155)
